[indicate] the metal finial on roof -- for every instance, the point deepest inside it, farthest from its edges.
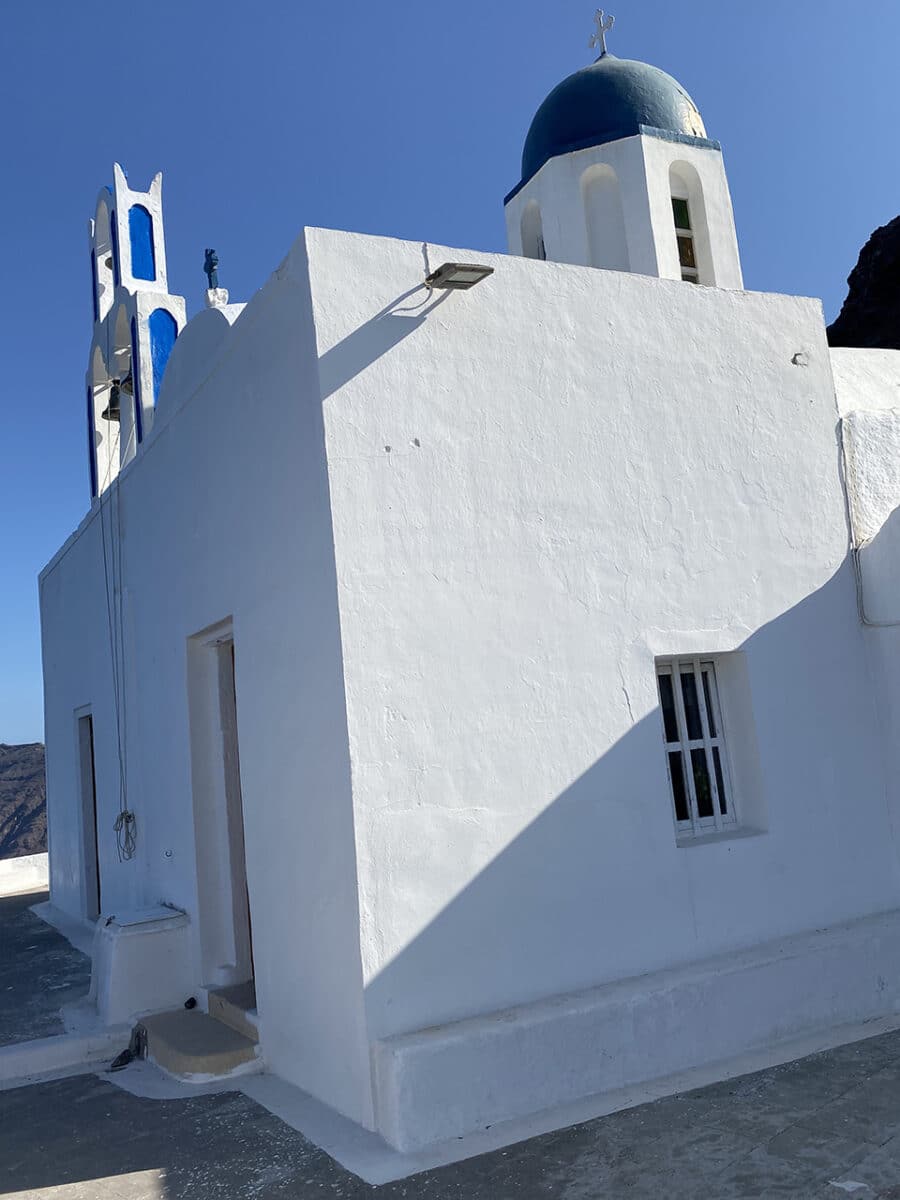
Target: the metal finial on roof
(604, 26)
(211, 267)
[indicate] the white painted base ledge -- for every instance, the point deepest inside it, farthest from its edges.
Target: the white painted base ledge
(24, 1062)
(454, 1080)
(28, 873)
(77, 931)
(373, 1160)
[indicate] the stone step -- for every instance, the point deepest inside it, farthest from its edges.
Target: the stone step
(191, 1045)
(235, 1006)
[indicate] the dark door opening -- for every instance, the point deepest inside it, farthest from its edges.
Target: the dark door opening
(92, 908)
(235, 813)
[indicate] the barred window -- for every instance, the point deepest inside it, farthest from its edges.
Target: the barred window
(695, 751)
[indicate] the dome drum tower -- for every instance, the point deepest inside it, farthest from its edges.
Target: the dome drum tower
(618, 173)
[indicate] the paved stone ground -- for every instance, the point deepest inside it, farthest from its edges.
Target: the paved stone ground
(39, 972)
(825, 1127)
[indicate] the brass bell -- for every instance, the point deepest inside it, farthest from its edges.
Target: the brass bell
(113, 410)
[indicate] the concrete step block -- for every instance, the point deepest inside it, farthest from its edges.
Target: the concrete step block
(235, 1006)
(191, 1045)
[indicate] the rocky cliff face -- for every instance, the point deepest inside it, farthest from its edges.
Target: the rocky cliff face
(23, 800)
(871, 313)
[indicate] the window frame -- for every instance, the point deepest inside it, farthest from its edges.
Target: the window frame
(688, 274)
(713, 737)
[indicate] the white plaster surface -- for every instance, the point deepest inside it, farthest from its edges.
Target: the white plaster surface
(442, 1081)
(225, 494)
(216, 297)
(141, 962)
(867, 383)
(27, 873)
(871, 443)
(195, 356)
(582, 485)
(77, 930)
(553, 494)
(866, 379)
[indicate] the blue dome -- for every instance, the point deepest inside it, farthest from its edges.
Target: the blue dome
(608, 100)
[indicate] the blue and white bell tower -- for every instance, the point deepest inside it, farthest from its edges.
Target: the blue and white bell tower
(136, 322)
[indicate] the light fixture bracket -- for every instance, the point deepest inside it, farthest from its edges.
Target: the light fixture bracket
(458, 276)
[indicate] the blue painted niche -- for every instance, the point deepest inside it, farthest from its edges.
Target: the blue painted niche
(163, 332)
(143, 255)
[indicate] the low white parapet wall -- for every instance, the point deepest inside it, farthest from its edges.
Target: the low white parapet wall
(28, 873)
(451, 1080)
(142, 963)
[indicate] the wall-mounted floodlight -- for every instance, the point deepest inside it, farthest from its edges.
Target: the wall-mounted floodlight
(458, 275)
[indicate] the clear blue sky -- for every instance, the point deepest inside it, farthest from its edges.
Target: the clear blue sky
(402, 118)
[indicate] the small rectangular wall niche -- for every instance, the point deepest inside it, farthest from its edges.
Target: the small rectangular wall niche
(605, 217)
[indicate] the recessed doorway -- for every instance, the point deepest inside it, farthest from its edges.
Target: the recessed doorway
(223, 899)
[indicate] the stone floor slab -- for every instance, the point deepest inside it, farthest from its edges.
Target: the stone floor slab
(41, 972)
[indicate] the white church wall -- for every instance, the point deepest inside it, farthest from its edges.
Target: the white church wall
(526, 504)
(866, 379)
(78, 682)
(867, 384)
(225, 516)
(602, 199)
(195, 350)
(614, 1040)
(529, 506)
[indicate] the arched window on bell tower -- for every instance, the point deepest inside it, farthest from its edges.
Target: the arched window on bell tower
(103, 278)
(163, 331)
(602, 200)
(533, 232)
(689, 222)
(140, 233)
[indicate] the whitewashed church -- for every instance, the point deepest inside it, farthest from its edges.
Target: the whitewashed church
(476, 680)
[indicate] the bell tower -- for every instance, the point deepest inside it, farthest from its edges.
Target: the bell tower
(136, 322)
(618, 173)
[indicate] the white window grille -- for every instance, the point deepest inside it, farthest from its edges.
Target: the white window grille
(687, 253)
(699, 780)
